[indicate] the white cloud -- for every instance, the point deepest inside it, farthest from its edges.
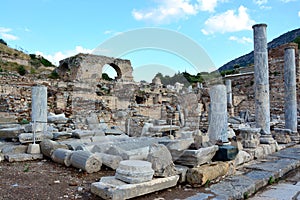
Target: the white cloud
(228, 21)
(287, 1)
(260, 2)
(168, 10)
(56, 57)
(5, 34)
(107, 32)
(299, 14)
(242, 40)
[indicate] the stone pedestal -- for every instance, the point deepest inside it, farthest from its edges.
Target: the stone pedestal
(282, 136)
(290, 89)
(134, 171)
(218, 114)
(39, 108)
(261, 79)
(249, 137)
(34, 149)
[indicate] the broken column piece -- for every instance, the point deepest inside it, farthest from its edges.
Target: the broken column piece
(134, 171)
(62, 156)
(290, 89)
(86, 161)
(261, 79)
(39, 108)
(217, 129)
(108, 160)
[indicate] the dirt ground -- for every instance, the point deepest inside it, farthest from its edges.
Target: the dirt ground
(45, 179)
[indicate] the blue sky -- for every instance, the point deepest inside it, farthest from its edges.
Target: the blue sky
(62, 28)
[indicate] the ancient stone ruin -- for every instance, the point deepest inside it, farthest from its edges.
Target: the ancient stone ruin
(153, 136)
(88, 68)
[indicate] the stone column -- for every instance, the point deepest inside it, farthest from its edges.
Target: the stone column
(217, 129)
(229, 97)
(261, 79)
(39, 107)
(290, 89)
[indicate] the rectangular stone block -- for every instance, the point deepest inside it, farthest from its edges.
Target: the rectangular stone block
(198, 157)
(226, 153)
(111, 188)
(22, 157)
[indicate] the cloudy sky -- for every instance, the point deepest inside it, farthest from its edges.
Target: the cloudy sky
(222, 28)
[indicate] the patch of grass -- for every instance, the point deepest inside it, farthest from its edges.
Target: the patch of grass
(271, 180)
(26, 167)
(246, 195)
(207, 183)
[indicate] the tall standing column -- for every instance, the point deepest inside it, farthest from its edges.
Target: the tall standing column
(39, 108)
(290, 89)
(261, 79)
(217, 129)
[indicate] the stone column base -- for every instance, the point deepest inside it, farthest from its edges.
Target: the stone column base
(267, 139)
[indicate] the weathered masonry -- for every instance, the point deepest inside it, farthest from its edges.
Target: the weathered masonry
(88, 68)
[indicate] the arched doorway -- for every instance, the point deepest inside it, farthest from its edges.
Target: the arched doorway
(111, 71)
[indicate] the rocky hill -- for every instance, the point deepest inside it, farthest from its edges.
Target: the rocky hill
(248, 59)
(12, 60)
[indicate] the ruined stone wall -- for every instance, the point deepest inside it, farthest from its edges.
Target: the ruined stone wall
(88, 68)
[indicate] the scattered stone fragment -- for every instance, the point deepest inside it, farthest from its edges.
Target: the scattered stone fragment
(28, 137)
(198, 157)
(108, 160)
(60, 118)
(14, 149)
(161, 160)
(62, 156)
(111, 188)
(86, 161)
(21, 157)
(198, 176)
(242, 157)
(134, 171)
(48, 146)
(13, 132)
(282, 136)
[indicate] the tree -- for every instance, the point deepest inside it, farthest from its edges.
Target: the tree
(3, 42)
(21, 70)
(106, 77)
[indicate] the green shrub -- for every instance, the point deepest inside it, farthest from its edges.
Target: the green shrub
(54, 75)
(106, 77)
(297, 40)
(3, 42)
(32, 71)
(21, 70)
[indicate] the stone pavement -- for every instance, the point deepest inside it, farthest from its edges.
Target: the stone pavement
(255, 175)
(288, 188)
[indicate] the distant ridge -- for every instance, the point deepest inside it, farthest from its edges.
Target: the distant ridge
(248, 59)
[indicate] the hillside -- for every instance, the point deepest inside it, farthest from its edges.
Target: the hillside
(248, 59)
(12, 60)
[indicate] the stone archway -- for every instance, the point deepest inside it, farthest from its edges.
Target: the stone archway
(88, 67)
(107, 68)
